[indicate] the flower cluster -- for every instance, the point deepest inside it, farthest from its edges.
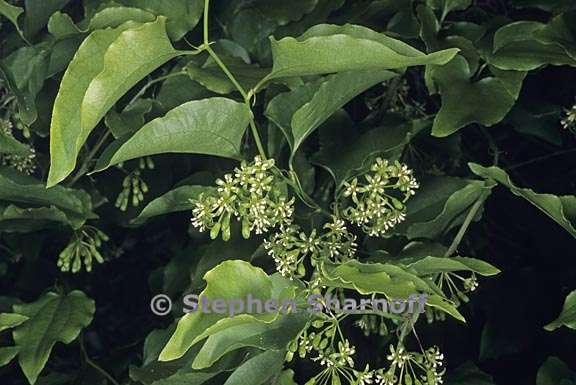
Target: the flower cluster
(412, 367)
(378, 201)
(133, 186)
(23, 163)
(252, 194)
(569, 120)
(290, 247)
(82, 248)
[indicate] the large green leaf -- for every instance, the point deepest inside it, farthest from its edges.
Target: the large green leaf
(392, 281)
(527, 45)
(329, 48)
(182, 15)
(17, 219)
(343, 149)
(229, 280)
(273, 336)
(465, 101)
(434, 265)
(455, 210)
(561, 209)
(20, 188)
(259, 369)
(300, 116)
(53, 318)
(7, 354)
(568, 315)
(179, 199)
(212, 126)
(108, 63)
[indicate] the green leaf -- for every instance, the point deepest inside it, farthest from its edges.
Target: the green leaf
(7, 354)
(448, 6)
(11, 320)
(344, 150)
(392, 281)
(9, 145)
(229, 280)
(17, 219)
(259, 369)
(331, 48)
(179, 199)
(188, 378)
(212, 126)
(519, 46)
(273, 336)
(11, 12)
(38, 13)
(434, 265)
(321, 100)
(130, 119)
(20, 188)
(555, 372)
(561, 209)
(53, 318)
(182, 15)
(211, 76)
(455, 210)
(561, 30)
(568, 315)
(465, 101)
(97, 77)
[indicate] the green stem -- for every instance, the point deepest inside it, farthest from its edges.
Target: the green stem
(84, 168)
(471, 214)
(151, 83)
(246, 96)
(95, 365)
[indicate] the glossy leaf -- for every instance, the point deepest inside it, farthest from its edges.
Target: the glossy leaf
(229, 280)
(11, 320)
(212, 126)
(11, 12)
(555, 372)
(96, 78)
(331, 48)
(9, 145)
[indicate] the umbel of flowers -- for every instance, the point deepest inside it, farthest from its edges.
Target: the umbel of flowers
(253, 195)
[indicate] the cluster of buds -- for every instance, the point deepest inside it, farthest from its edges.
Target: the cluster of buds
(291, 247)
(133, 186)
(253, 195)
(83, 248)
(569, 120)
(379, 200)
(23, 163)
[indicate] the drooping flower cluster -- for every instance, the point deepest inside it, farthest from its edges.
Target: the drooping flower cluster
(569, 120)
(378, 201)
(133, 186)
(456, 288)
(24, 163)
(253, 195)
(291, 247)
(83, 248)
